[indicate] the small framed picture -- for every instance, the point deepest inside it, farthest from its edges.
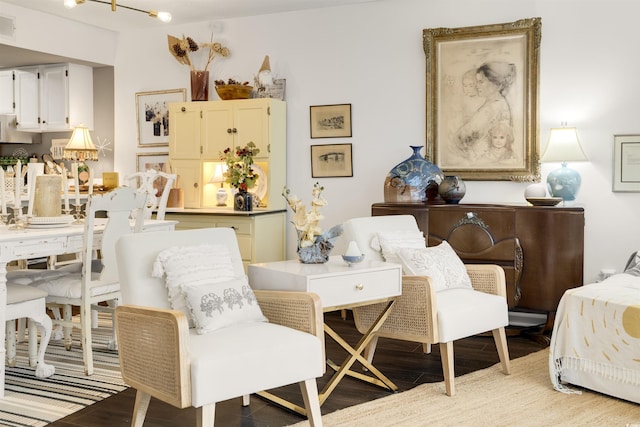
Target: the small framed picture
(157, 161)
(626, 163)
(330, 121)
(331, 161)
(152, 114)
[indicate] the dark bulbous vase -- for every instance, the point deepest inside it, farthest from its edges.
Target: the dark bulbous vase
(452, 189)
(243, 201)
(413, 180)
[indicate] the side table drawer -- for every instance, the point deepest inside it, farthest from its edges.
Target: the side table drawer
(351, 289)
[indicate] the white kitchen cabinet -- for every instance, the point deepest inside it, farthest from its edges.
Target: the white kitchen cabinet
(53, 98)
(6, 92)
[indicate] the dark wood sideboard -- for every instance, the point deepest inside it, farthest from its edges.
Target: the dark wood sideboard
(541, 248)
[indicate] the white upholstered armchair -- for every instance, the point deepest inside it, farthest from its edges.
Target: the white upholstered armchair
(200, 369)
(425, 314)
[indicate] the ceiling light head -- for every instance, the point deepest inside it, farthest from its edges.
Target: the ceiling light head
(70, 4)
(162, 16)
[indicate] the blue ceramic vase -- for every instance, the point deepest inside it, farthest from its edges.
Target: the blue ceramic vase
(414, 180)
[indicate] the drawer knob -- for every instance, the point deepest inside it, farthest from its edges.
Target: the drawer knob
(359, 286)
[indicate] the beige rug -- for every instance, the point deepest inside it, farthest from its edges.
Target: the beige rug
(490, 398)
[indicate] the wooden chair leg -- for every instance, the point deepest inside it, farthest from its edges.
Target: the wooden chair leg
(205, 415)
(140, 408)
(446, 355)
(500, 338)
(371, 348)
(309, 391)
(10, 336)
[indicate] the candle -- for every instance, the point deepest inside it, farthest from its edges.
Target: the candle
(18, 185)
(3, 194)
(32, 195)
(353, 249)
(65, 188)
(76, 182)
(90, 181)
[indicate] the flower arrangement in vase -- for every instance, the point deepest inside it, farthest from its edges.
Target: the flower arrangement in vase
(181, 49)
(314, 245)
(240, 174)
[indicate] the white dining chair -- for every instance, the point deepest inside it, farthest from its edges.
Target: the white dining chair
(156, 185)
(87, 288)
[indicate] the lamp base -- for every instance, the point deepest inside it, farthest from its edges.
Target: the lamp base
(564, 182)
(221, 197)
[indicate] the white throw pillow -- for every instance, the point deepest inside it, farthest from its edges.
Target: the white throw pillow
(217, 305)
(390, 242)
(440, 263)
(194, 266)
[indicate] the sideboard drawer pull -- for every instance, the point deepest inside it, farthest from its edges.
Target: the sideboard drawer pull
(359, 286)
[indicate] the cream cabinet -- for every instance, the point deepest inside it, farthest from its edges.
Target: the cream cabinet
(261, 234)
(200, 131)
(52, 98)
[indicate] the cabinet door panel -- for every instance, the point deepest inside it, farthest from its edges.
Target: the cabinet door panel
(188, 172)
(54, 97)
(6, 92)
(252, 123)
(26, 96)
(218, 130)
(184, 135)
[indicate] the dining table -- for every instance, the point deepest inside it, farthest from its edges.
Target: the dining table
(39, 242)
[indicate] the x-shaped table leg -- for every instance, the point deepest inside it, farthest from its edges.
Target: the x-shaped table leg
(355, 354)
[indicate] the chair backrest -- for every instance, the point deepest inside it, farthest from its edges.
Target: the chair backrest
(149, 183)
(136, 254)
(118, 205)
(363, 230)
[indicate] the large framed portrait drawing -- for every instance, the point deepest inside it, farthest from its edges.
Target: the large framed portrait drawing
(482, 100)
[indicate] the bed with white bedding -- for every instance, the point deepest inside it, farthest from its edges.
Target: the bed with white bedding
(596, 337)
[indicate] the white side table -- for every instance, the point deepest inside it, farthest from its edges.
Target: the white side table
(339, 286)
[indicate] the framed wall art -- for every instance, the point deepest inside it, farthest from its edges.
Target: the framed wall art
(626, 163)
(152, 115)
(331, 161)
(157, 161)
(482, 100)
(330, 121)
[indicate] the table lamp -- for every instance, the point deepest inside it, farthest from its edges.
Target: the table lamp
(563, 147)
(218, 178)
(80, 148)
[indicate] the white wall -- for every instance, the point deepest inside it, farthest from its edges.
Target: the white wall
(371, 56)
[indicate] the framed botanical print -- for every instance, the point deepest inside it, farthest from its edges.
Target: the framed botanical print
(152, 114)
(482, 100)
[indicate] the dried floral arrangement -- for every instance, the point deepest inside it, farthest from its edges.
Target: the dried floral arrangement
(181, 49)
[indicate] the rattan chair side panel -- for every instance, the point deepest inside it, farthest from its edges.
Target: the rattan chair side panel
(488, 278)
(413, 317)
(153, 351)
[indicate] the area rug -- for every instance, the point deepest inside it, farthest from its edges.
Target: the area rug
(490, 398)
(31, 401)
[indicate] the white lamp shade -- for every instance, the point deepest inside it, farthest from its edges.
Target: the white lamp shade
(218, 174)
(563, 146)
(80, 146)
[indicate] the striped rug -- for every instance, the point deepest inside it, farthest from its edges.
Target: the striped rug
(31, 401)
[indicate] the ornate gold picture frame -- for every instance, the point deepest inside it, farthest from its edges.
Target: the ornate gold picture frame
(482, 100)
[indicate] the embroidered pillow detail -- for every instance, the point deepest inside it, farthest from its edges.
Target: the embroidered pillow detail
(220, 304)
(194, 266)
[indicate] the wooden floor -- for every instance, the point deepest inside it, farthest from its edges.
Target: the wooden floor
(403, 362)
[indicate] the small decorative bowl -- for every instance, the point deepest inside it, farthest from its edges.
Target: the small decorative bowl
(352, 259)
(228, 92)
